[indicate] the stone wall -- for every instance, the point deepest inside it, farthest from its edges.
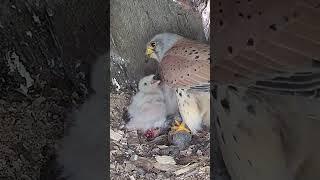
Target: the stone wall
(134, 23)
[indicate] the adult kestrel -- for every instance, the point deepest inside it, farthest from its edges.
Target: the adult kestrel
(184, 65)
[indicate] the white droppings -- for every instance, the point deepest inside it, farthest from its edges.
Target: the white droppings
(117, 59)
(15, 65)
(115, 135)
(115, 82)
(77, 65)
(165, 160)
(29, 33)
(36, 19)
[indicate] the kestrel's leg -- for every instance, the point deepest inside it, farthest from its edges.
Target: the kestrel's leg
(180, 135)
(179, 126)
(189, 110)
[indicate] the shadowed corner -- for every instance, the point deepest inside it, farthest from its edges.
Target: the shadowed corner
(51, 170)
(125, 115)
(82, 151)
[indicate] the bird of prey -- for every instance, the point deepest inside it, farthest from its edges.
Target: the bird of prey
(267, 86)
(150, 107)
(184, 66)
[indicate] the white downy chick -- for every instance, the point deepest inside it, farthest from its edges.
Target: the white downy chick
(148, 111)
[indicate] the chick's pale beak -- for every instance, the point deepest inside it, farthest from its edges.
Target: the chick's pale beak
(155, 82)
(149, 52)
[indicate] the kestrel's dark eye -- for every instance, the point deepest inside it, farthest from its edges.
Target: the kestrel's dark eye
(153, 44)
(145, 84)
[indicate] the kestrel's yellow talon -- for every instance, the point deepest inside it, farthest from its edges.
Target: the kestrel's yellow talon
(175, 124)
(180, 127)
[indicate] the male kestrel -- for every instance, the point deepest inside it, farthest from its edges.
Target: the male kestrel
(185, 66)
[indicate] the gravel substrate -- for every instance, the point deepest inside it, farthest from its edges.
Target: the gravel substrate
(132, 157)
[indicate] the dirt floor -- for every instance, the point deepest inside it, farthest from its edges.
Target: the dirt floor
(132, 157)
(31, 123)
(41, 81)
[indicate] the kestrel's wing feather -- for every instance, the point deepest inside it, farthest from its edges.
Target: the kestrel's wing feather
(272, 46)
(276, 51)
(187, 65)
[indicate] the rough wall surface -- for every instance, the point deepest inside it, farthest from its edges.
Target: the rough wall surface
(46, 48)
(134, 23)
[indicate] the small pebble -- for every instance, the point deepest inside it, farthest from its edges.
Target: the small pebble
(199, 152)
(134, 157)
(155, 150)
(180, 139)
(2, 163)
(141, 171)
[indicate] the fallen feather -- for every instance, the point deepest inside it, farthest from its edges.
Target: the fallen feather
(165, 167)
(186, 169)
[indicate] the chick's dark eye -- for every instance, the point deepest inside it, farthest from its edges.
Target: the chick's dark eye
(145, 84)
(153, 44)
